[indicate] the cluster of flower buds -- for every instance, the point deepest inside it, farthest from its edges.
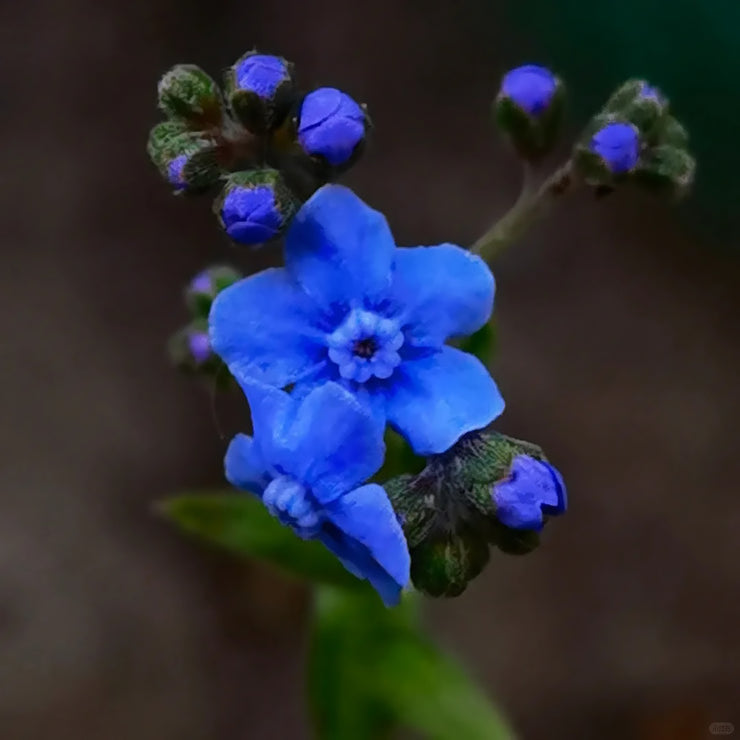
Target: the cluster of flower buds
(268, 145)
(636, 139)
(190, 347)
(529, 109)
(488, 489)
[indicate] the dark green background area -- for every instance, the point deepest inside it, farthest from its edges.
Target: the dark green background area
(688, 48)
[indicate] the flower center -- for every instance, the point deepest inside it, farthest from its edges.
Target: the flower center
(365, 345)
(292, 503)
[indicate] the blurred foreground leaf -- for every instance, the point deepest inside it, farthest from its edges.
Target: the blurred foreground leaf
(481, 343)
(371, 671)
(241, 524)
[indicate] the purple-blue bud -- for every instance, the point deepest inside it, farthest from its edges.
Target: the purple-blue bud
(251, 215)
(176, 172)
(649, 92)
(261, 74)
(533, 488)
(531, 87)
(199, 346)
(618, 144)
(202, 283)
(331, 125)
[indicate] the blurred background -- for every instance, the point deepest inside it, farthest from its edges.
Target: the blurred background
(618, 353)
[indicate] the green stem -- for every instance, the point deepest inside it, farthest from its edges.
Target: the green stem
(528, 207)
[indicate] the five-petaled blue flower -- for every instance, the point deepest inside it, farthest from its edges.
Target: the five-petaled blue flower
(531, 87)
(352, 307)
(307, 461)
(532, 488)
(618, 144)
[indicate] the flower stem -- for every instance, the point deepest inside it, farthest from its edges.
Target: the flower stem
(528, 207)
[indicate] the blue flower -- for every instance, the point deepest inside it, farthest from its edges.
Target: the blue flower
(533, 488)
(176, 172)
(250, 214)
(307, 461)
(531, 87)
(352, 307)
(618, 144)
(330, 125)
(261, 74)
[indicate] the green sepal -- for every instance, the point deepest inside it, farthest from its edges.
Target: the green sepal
(187, 93)
(257, 114)
(240, 523)
(202, 169)
(444, 563)
(533, 137)
(672, 133)
(220, 277)
(667, 170)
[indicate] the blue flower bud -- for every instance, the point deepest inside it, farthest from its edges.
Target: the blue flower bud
(618, 145)
(200, 346)
(255, 207)
(529, 110)
(332, 126)
(260, 90)
(532, 489)
(531, 87)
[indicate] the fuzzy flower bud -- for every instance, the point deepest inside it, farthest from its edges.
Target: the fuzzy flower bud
(186, 92)
(188, 160)
(260, 90)
(529, 109)
(331, 126)
(255, 207)
(488, 489)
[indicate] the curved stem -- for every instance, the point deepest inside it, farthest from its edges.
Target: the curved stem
(528, 207)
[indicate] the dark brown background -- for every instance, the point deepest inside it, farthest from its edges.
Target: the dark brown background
(618, 353)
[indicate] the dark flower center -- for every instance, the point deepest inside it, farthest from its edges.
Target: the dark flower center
(365, 348)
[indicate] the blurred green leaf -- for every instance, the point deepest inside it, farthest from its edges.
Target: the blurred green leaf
(482, 343)
(399, 458)
(241, 524)
(371, 671)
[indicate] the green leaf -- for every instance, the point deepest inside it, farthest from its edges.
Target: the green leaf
(372, 671)
(430, 692)
(399, 458)
(241, 524)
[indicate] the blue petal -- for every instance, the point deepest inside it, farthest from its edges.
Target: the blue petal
(334, 442)
(446, 291)
(436, 399)
(366, 516)
(264, 328)
(339, 249)
(245, 468)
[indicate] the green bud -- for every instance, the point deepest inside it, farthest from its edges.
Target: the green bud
(672, 133)
(260, 91)
(206, 285)
(444, 564)
(187, 93)
(188, 160)
(668, 170)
